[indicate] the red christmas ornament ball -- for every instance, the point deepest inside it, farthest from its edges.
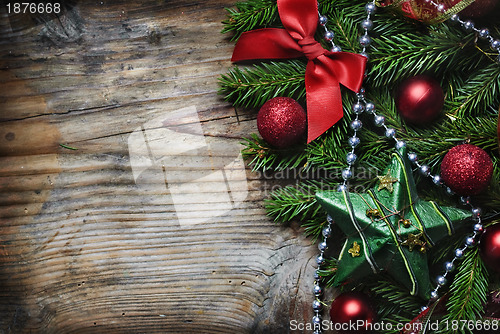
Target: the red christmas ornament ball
(352, 308)
(282, 122)
(466, 169)
(478, 8)
(419, 99)
(489, 247)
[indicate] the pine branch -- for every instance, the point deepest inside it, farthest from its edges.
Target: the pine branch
(290, 203)
(253, 86)
(328, 271)
(250, 14)
(478, 93)
(397, 297)
(395, 57)
(343, 24)
(469, 290)
(264, 157)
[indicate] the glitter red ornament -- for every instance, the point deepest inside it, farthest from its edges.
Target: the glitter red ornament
(466, 169)
(419, 99)
(282, 122)
(353, 312)
(489, 247)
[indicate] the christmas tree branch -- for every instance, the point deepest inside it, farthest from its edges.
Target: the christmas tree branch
(253, 86)
(469, 290)
(389, 293)
(291, 203)
(477, 93)
(399, 56)
(264, 157)
(250, 14)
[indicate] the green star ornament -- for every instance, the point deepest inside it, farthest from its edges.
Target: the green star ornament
(382, 236)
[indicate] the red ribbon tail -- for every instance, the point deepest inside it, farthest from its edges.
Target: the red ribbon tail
(319, 118)
(324, 100)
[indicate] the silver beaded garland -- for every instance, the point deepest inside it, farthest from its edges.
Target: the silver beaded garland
(326, 231)
(370, 107)
(370, 8)
(353, 141)
(322, 20)
(336, 48)
(317, 290)
(449, 266)
(437, 180)
(478, 228)
(390, 132)
(482, 33)
(441, 280)
(358, 108)
(351, 158)
(470, 241)
(367, 24)
(400, 144)
(346, 174)
(365, 40)
(379, 120)
(356, 124)
(425, 170)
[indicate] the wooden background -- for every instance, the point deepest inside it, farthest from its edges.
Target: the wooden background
(87, 247)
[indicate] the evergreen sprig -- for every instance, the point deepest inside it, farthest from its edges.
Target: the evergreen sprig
(477, 93)
(396, 57)
(251, 87)
(250, 14)
(264, 157)
(292, 203)
(393, 296)
(468, 292)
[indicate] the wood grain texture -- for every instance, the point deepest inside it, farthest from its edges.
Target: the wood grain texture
(90, 245)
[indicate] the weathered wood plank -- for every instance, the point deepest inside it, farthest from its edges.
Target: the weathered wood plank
(135, 230)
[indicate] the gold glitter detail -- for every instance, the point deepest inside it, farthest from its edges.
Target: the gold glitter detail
(413, 240)
(354, 250)
(386, 182)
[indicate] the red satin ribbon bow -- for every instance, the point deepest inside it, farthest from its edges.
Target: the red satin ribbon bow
(325, 69)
